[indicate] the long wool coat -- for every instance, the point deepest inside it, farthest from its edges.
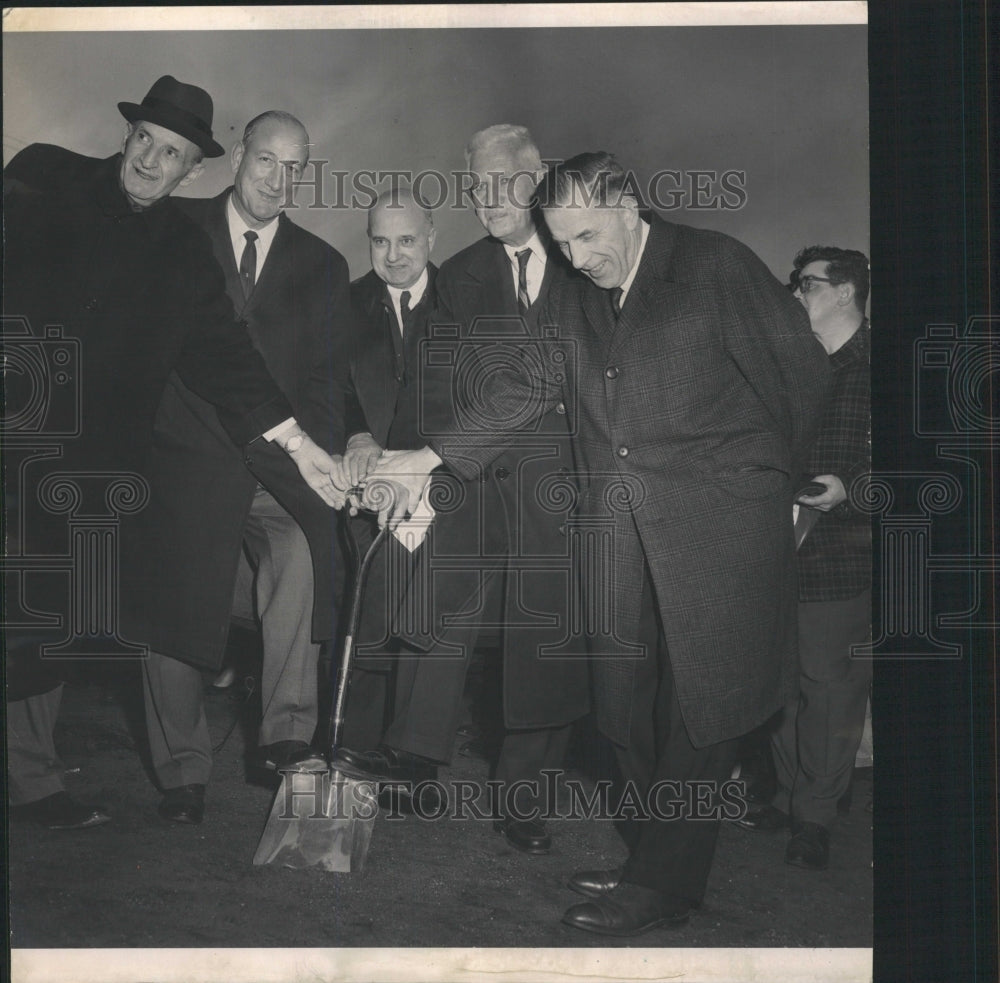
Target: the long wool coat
(188, 544)
(510, 516)
(692, 414)
(115, 299)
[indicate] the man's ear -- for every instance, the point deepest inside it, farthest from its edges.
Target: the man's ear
(630, 211)
(845, 294)
(236, 155)
(128, 132)
(193, 174)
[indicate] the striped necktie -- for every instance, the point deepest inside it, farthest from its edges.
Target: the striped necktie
(523, 300)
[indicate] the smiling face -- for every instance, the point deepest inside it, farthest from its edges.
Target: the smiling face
(400, 239)
(276, 152)
(601, 241)
(155, 161)
(502, 194)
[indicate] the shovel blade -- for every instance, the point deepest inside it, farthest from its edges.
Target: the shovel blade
(320, 819)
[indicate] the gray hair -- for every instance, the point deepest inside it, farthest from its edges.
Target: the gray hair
(515, 140)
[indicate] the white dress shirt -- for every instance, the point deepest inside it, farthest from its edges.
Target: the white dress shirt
(416, 292)
(626, 285)
(536, 265)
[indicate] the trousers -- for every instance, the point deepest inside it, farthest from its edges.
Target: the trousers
(179, 739)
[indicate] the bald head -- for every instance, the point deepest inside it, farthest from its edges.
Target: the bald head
(401, 236)
(273, 152)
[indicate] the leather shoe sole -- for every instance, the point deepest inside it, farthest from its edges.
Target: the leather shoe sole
(390, 764)
(528, 836)
(595, 883)
(184, 805)
(61, 811)
(626, 911)
(288, 756)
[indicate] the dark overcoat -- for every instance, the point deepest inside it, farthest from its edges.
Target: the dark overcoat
(188, 545)
(105, 301)
(508, 519)
(694, 410)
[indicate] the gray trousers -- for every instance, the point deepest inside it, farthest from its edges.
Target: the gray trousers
(34, 770)
(818, 736)
(179, 740)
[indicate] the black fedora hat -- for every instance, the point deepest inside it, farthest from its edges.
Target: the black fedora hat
(184, 109)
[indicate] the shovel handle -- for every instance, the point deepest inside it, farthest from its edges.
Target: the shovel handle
(353, 616)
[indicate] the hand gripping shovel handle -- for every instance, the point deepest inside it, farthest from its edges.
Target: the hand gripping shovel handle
(353, 616)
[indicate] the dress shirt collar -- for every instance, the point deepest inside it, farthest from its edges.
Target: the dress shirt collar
(265, 235)
(534, 244)
(415, 290)
(626, 285)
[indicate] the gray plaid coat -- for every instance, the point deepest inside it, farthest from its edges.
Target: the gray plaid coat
(691, 414)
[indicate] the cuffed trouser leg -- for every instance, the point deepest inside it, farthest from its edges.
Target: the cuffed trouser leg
(179, 741)
(34, 770)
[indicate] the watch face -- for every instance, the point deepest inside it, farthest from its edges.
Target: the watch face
(294, 443)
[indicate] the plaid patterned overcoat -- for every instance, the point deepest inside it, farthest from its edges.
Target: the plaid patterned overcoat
(691, 414)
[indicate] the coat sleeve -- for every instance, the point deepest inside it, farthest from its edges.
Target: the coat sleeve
(466, 442)
(322, 411)
(767, 333)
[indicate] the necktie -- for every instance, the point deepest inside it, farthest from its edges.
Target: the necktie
(404, 308)
(523, 300)
(248, 263)
(616, 301)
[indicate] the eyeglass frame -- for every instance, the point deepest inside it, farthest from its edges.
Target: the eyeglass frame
(805, 287)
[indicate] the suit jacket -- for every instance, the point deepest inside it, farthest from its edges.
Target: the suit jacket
(509, 516)
(191, 533)
(107, 301)
(382, 381)
(694, 410)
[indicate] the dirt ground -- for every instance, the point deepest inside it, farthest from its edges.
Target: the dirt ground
(139, 882)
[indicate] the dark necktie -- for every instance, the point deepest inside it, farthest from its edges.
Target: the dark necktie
(523, 300)
(248, 263)
(404, 309)
(616, 301)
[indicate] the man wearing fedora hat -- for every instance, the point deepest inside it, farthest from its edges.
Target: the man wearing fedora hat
(101, 265)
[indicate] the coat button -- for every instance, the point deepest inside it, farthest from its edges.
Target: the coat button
(91, 305)
(623, 451)
(611, 372)
(561, 409)
(501, 473)
(248, 461)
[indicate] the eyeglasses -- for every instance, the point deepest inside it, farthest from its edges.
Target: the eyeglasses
(805, 283)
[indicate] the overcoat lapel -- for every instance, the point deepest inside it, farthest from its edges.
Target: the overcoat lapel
(222, 246)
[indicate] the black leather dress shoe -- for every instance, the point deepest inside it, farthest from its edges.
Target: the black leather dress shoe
(61, 811)
(595, 883)
(288, 756)
(767, 819)
(809, 847)
(184, 804)
(628, 909)
(527, 835)
(390, 763)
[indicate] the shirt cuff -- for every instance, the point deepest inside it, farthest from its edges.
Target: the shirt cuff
(277, 431)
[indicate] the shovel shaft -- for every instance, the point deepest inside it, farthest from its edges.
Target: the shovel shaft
(347, 654)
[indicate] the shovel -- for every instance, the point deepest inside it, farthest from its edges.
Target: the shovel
(325, 819)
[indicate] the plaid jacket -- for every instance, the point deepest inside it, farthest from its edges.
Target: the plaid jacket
(835, 559)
